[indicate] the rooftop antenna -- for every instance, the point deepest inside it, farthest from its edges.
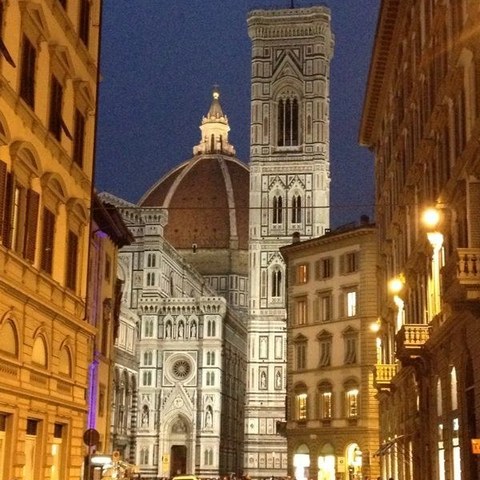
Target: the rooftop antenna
(292, 4)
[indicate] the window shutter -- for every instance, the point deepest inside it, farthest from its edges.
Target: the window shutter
(7, 214)
(79, 138)
(3, 194)
(316, 310)
(56, 96)
(48, 235)
(317, 268)
(342, 264)
(71, 267)
(341, 305)
(31, 225)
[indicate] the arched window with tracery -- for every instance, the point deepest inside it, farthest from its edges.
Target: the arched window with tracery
(276, 282)
(287, 121)
(277, 210)
(297, 209)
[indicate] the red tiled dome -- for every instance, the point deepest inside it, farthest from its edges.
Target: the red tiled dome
(207, 199)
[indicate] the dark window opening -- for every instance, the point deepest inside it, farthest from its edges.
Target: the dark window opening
(72, 260)
(79, 139)
(48, 232)
(277, 210)
(296, 209)
(27, 77)
(56, 96)
(287, 122)
(84, 24)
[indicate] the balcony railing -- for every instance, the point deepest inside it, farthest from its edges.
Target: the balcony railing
(461, 276)
(383, 375)
(410, 340)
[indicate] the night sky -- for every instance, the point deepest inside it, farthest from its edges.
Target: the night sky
(159, 62)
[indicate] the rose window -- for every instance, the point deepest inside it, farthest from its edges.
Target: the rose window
(181, 369)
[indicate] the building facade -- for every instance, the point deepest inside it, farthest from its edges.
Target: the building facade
(421, 120)
(108, 235)
(332, 421)
(289, 192)
(48, 75)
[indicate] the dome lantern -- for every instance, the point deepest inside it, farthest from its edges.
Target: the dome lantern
(214, 130)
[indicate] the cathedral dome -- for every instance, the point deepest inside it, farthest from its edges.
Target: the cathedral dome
(207, 196)
(207, 202)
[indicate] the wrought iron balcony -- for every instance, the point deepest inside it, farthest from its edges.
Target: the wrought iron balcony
(383, 375)
(461, 276)
(410, 340)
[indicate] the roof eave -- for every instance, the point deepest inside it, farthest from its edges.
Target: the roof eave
(388, 20)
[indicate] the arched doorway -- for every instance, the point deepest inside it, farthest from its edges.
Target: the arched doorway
(178, 464)
(354, 461)
(301, 462)
(179, 455)
(326, 463)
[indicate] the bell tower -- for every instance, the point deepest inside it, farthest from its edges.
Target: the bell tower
(289, 197)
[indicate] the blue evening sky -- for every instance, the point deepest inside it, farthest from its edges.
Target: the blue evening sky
(159, 62)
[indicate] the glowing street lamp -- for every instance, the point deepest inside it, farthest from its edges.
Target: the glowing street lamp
(431, 221)
(431, 218)
(395, 286)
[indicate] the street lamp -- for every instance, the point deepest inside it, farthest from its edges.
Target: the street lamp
(431, 220)
(395, 286)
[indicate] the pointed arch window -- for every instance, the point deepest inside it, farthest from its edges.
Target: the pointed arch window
(297, 209)
(148, 357)
(145, 415)
(208, 456)
(277, 283)
(211, 328)
(277, 210)
(287, 121)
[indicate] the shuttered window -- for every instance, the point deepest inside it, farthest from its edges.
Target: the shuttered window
(3, 198)
(18, 215)
(27, 75)
(55, 119)
(7, 210)
(31, 222)
(48, 232)
(72, 260)
(84, 21)
(79, 138)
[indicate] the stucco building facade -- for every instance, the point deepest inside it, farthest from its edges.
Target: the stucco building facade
(48, 76)
(332, 420)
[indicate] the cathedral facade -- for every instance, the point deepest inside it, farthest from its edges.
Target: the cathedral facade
(204, 279)
(180, 385)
